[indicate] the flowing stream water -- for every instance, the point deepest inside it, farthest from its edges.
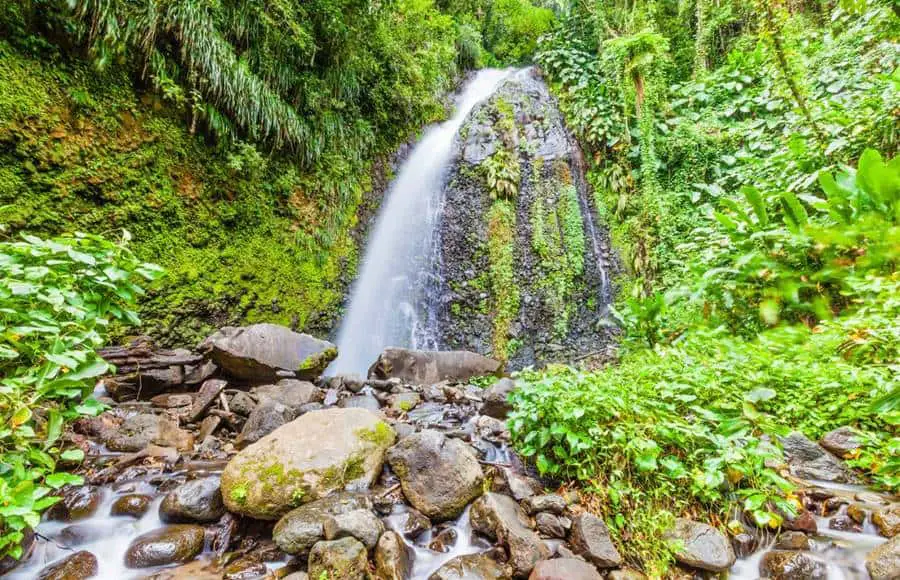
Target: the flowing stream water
(390, 304)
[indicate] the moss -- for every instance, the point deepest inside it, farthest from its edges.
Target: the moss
(238, 494)
(502, 278)
(318, 360)
(381, 435)
(405, 406)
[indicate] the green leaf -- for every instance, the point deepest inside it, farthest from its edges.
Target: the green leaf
(795, 213)
(73, 455)
(57, 480)
(760, 394)
(756, 201)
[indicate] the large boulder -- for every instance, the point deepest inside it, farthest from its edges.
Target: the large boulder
(590, 538)
(163, 546)
(809, 460)
(306, 459)
(258, 352)
(424, 367)
(564, 569)
(199, 500)
(472, 567)
(701, 546)
(883, 563)
(301, 528)
(500, 518)
(439, 476)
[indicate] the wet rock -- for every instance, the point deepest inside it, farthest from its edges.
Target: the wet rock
(178, 543)
(266, 417)
(564, 569)
(491, 428)
(792, 541)
(443, 541)
(883, 563)
(242, 403)
(500, 518)
(887, 520)
(245, 569)
(439, 476)
(472, 567)
(344, 559)
(199, 500)
(550, 525)
(404, 402)
(625, 574)
(844, 524)
(139, 431)
(300, 529)
(392, 561)
(421, 367)
(80, 534)
(590, 538)
(552, 503)
(172, 400)
(309, 458)
(133, 504)
(804, 521)
(808, 460)
(367, 402)
(403, 430)
(78, 566)
(77, 503)
(857, 512)
(495, 399)
(415, 523)
(206, 396)
(8, 563)
(702, 546)
(290, 393)
(361, 524)
(258, 352)
(871, 498)
(840, 441)
(791, 565)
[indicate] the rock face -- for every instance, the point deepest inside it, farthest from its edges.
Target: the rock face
(301, 528)
(564, 569)
(178, 543)
(809, 460)
(78, 566)
(473, 567)
(199, 500)
(590, 538)
(702, 546)
(791, 565)
(258, 352)
(439, 475)
(883, 563)
(307, 459)
(422, 367)
(544, 223)
(344, 559)
(499, 517)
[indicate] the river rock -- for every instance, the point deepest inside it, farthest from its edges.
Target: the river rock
(367, 402)
(564, 569)
(590, 538)
(245, 569)
(472, 567)
(495, 397)
(78, 566)
(258, 352)
(345, 559)
(840, 441)
(550, 525)
(265, 418)
(702, 546)
(791, 565)
(421, 367)
(802, 521)
(888, 520)
(626, 574)
(792, 541)
(172, 400)
(439, 476)
(552, 503)
(307, 459)
(415, 523)
(199, 501)
(392, 561)
(133, 504)
(500, 518)
(883, 563)
(290, 393)
(139, 431)
(206, 396)
(163, 546)
(301, 528)
(361, 524)
(808, 460)
(403, 402)
(242, 403)
(77, 503)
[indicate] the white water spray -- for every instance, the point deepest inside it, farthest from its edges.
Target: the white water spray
(389, 303)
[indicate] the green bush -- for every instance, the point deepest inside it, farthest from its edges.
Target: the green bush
(512, 29)
(58, 298)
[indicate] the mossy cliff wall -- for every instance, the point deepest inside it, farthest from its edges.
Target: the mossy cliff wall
(244, 236)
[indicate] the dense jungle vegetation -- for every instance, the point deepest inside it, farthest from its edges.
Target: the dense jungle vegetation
(743, 154)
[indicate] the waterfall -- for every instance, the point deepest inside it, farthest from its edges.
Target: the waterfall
(391, 300)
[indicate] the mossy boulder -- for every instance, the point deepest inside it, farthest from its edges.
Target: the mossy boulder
(307, 459)
(259, 352)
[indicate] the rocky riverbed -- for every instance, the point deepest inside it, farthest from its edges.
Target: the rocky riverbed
(240, 460)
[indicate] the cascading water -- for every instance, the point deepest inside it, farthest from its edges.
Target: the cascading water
(390, 304)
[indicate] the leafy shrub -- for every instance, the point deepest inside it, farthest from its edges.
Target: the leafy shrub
(58, 298)
(502, 173)
(513, 28)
